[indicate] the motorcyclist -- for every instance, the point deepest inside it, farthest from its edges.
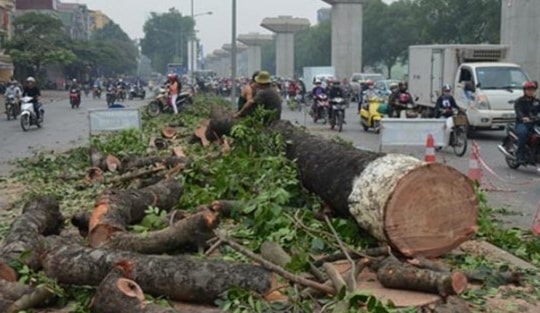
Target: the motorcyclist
(75, 85)
(335, 91)
(444, 108)
(31, 90)
(13, 90)
(317, 90)
(399, 100)
(526, 107)
(174, 87)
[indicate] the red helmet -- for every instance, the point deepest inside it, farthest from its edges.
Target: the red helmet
(530, 85)
(172, 76)
(403, 98)
(369, 82)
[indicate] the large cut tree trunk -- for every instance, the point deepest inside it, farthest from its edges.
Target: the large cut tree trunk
(420, 209)
(180, 278)
(40, 216)
(115, 209)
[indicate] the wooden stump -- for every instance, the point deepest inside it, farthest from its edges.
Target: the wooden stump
(115, 209)
(180, 278)
(40, 216)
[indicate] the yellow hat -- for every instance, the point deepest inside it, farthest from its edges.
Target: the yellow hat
(263, 78)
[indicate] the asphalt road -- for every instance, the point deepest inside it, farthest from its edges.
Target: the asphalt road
(518, 192)
(64, 128)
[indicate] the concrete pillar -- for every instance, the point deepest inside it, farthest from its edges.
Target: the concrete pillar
(254, 41)
(520, 25)
(285, 27)
(224, 62)
(347, 19)
(240, 48)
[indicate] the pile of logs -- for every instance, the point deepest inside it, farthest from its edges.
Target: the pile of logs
(409, 206)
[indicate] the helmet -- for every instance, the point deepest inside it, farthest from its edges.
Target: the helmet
(171, 76)
(447, 87)
(31, 79)
(393, 85)
(403, 85)
(317, 81)
(74, 80)
(120, 80)
(530, 85)
(370, 82)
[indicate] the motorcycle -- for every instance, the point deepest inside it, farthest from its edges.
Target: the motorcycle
(96, 93)
(28, 115)
(338, 106)
(136, 92)
(532, 148)
(162, 103)
(75, 98)
(321, 108)
(111, 96)
(11, 107)
(370, 117)
(120, 94)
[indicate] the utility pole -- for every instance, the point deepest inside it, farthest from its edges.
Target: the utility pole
(233, 53)
(192, 47)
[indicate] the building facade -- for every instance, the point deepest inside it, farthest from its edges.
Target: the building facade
(76, 19)
(98, 20)
(36, 4)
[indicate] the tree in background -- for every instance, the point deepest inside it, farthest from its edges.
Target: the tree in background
(312, 46)
(37, 41)
(166, 38)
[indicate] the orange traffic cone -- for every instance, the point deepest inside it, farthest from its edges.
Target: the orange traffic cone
(475, 173)
(430, 150)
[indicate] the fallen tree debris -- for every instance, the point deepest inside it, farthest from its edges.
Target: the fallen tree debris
(394, 274)
(115, 209)
(180, 278)
(40, 216)
(117, 293)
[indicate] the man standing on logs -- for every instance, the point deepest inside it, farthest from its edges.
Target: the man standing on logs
(266, 97)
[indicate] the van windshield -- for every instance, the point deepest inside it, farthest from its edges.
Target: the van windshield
(500, 77)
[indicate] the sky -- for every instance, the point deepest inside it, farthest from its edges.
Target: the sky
(213, 30)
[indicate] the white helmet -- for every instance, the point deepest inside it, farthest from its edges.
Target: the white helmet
(120, 80)
(74, 80)
(30, 79)
(317, 81)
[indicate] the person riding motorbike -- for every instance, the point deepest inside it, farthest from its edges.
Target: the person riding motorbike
(317, 90)
(75, 85)
(444, 108)
(526, 107)
(174, 87)
(335, 91)
(31, 90)
(398, 100)
(15, 91)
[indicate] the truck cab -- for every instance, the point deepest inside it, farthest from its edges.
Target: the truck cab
(484, 82)
(485, 89)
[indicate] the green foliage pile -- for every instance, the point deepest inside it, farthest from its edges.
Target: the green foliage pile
(274, 207)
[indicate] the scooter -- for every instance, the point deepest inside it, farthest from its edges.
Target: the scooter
(75, 98)
(321, 108)
(11, 107)
(111, 96)
(338, 106)
(370, 117)
(532, 148)
(162, 103)
(28, 115)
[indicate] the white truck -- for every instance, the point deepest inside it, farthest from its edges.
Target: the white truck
(320, 72)
(483, 83)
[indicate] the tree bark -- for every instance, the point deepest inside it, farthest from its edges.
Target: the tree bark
(397, 275)
(398, 199)
(115, 209)
(134, 162)
(40, 216)
(192, 231)
(119, 294)
(180, 278)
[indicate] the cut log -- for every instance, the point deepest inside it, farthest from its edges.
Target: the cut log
(119, 294)
(115, 209)
(105, 163)
(138, 162)
(180, 278)
(397, 275)
(192, 231)
(168, 132)
(396, 198)
(40, 216)
(221, 123)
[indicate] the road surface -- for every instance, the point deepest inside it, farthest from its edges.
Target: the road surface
(64, 128)
(518, 193)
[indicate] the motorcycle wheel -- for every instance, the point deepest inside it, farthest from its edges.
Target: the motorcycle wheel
(511, 148)
(38, 122)
(377, 126)
(25, 122)
(153, 109)
(340, 121)
(459, 142)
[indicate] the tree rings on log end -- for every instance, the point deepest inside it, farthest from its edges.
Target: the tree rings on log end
(432, 210)
(459, 282)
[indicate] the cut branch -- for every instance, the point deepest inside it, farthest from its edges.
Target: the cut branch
(115, 209)
(40, 216)
(180, 278)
